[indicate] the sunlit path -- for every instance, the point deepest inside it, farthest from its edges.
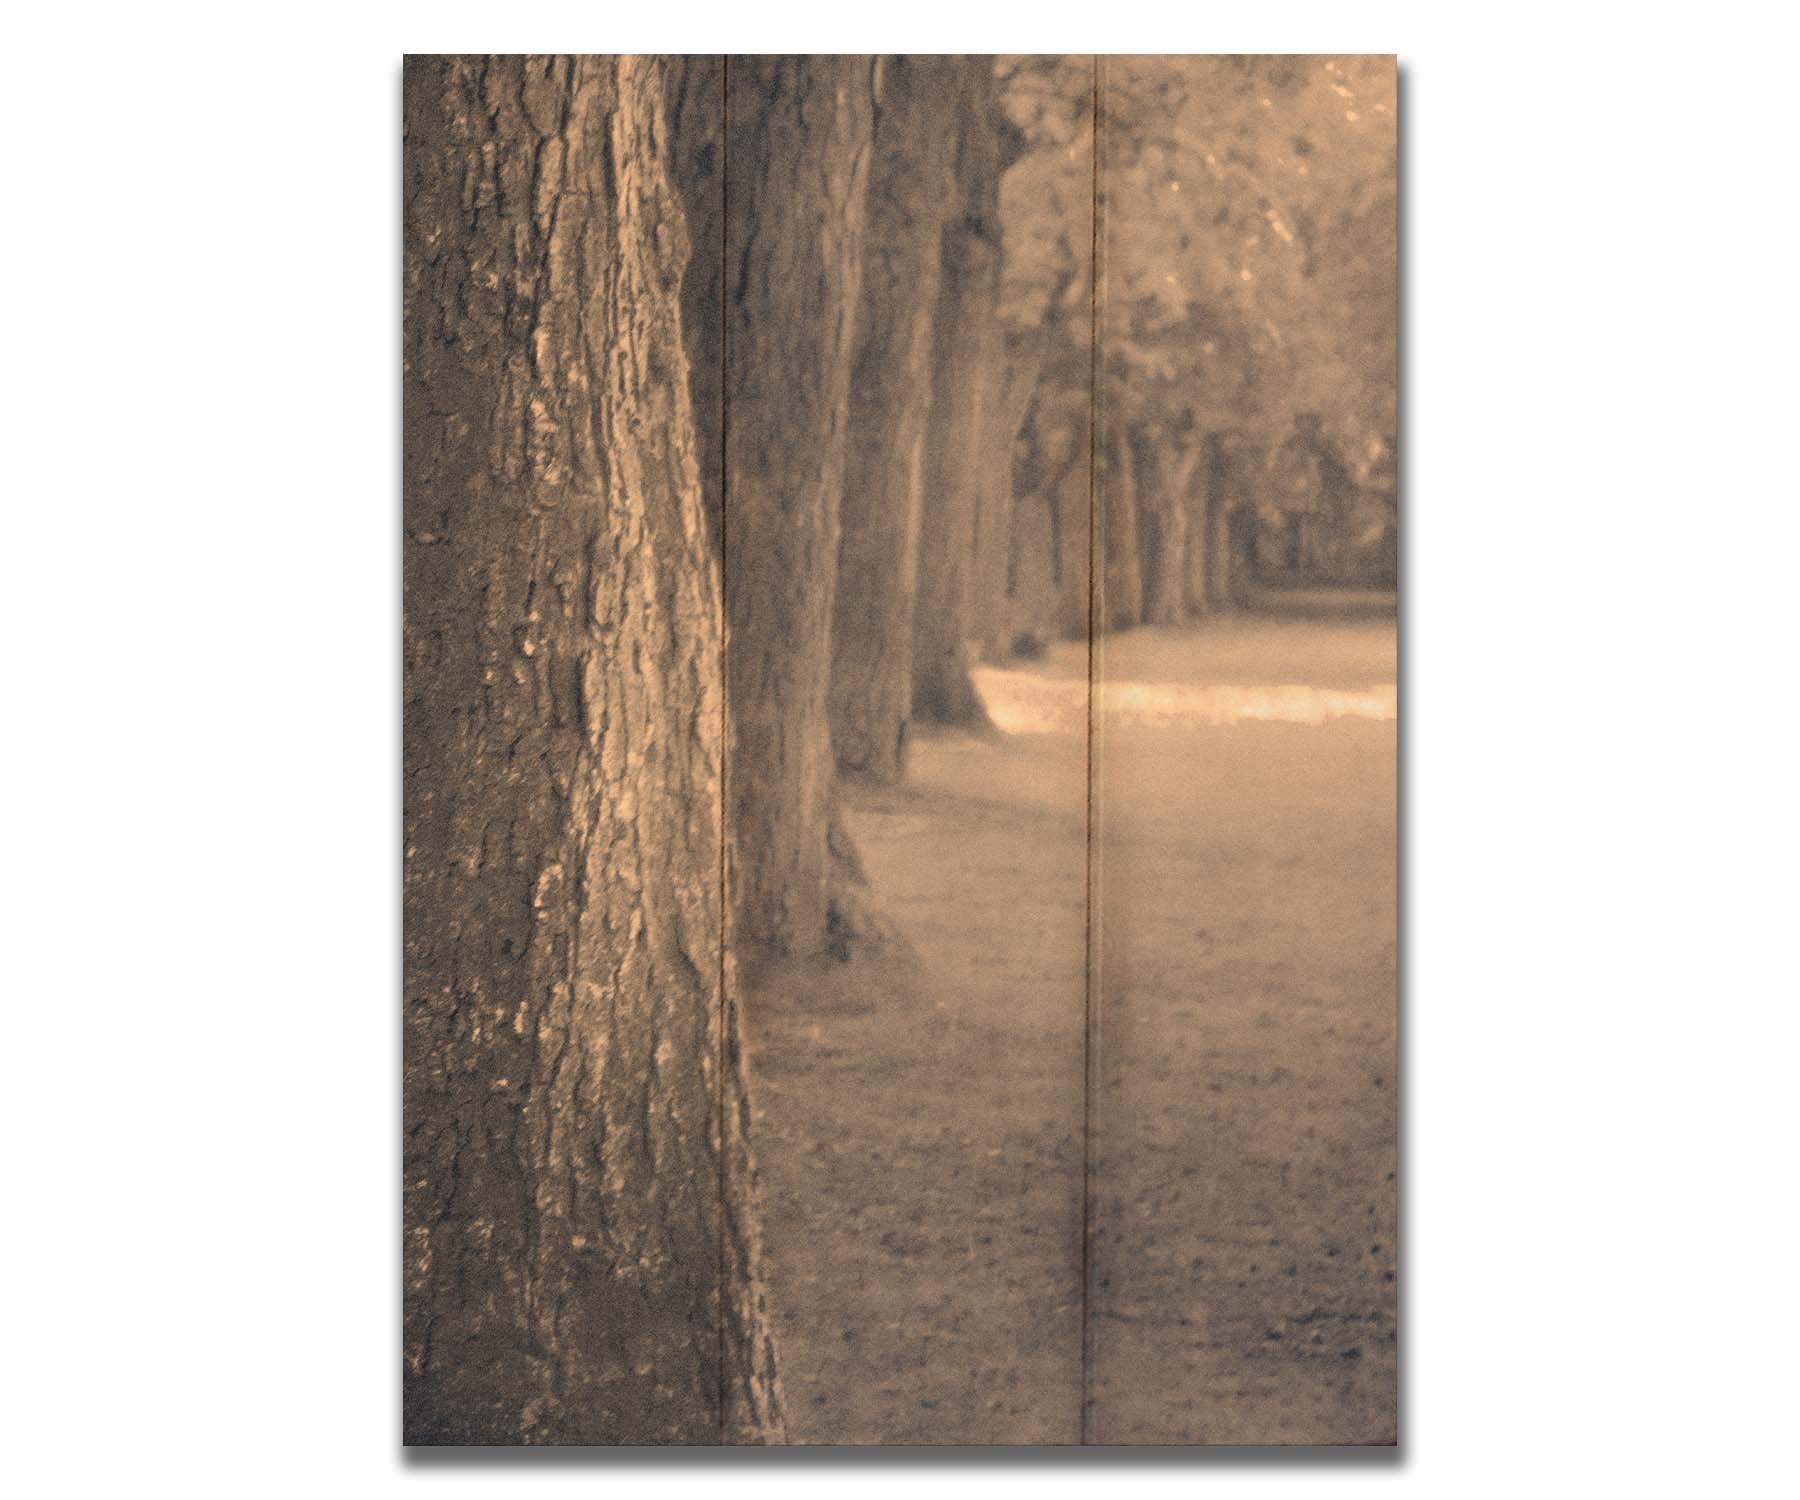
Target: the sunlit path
(1245, 978)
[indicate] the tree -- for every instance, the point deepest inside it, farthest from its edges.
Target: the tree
(1169, 458)
(1046, 305)
(581, 1257)
(1120, 581)
(1047, 572)
(796, 164)
(1009, 401)
(1222, 574)
(966, 362)
(910, 191)
(816, 906)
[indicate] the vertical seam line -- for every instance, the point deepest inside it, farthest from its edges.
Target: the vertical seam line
(1089, 1015)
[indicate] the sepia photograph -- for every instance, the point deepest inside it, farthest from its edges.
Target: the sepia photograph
(901, 562)
(959, 751)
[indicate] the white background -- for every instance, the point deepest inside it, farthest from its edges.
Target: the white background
(201, 601)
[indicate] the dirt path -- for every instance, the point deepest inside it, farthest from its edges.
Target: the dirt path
(920, 1129)
(920, 1134)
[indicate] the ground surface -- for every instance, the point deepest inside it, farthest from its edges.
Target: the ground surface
(920, 1125)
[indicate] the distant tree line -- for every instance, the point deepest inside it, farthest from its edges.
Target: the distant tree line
(1234, 378)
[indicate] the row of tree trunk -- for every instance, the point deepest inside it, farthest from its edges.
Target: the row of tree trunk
(1179, 528)
(708, 439)
(1175, 535)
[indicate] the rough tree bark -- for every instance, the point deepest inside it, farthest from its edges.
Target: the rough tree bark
(796, 162)
(965, 361)
(694, 88)
(581, 1264)
(910, 189)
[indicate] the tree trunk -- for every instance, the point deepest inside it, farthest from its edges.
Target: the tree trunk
(1220, 593)
(1162, 589)
(1193, 573)
(1204, 489)
(695, 110)
(1226, 497)
(1012, 390)
(1121, 579)
(1166, 563)
(965, 360)
(796, 164)
(1241, 573)
(581, 1263)
(910, 188)
(1036, 581)
(1074, 544)
(1165, 475)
